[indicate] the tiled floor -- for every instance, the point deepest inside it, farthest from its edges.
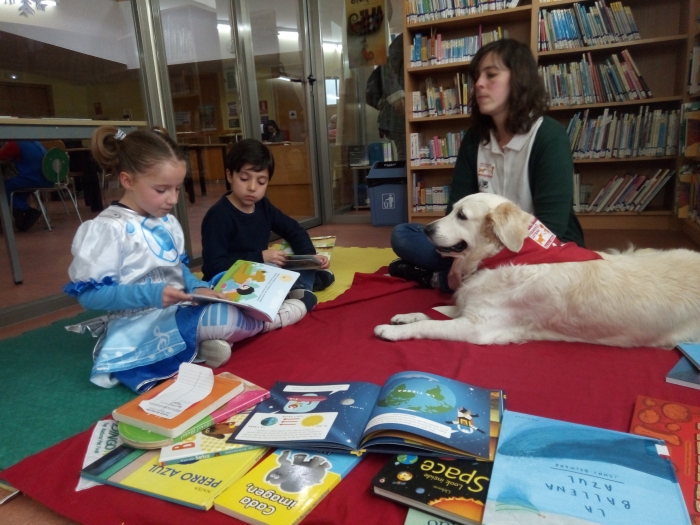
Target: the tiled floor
(22, 510)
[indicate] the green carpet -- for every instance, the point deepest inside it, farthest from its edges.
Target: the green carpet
(44, 373)
(47, 395)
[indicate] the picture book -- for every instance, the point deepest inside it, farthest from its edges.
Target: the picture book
(684, 373)
(302, 262)
(323, 244)
(678, 425)
(258, 288)
(414, 412)
(169, 419)
(691, 351)
(208, 443)
(285, 486)
(416, 517)
(104, 438)
(252, 394)
(454, 489)
(549, 471)
(193, 484)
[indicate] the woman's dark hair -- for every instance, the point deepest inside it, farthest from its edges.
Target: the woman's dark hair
(527, 100)
(272, 123)
(253, 152)
(136, 153)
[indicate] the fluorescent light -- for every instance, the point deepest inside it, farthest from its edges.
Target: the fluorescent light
(287, 79)
(288, 35)
(223, 27)
(48, 3)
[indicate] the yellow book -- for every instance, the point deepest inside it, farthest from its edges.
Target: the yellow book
(285, 486)
(194, 484)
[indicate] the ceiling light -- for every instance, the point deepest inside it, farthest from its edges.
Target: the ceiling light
(48, 3)
(223, 27)
(288, 35)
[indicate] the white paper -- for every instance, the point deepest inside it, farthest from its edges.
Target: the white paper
(105, 438)
(193, 384)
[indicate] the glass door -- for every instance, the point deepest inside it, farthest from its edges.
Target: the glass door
(280, 87)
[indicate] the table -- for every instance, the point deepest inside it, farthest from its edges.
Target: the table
(7, 225)
(198, 148)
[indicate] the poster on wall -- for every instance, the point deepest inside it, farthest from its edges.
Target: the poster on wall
(207, 117)
(234, 123)
(182, 118)
(367, 32)
(232, 109)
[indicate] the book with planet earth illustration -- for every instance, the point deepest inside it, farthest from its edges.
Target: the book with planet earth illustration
(412, 413)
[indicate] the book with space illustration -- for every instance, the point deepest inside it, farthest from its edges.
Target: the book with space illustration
(412, 413)
(258, 288)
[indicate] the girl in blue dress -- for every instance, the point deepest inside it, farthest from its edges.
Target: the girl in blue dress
(130, 261)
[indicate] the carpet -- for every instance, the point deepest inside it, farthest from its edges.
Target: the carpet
(582, 383)
(45, 372)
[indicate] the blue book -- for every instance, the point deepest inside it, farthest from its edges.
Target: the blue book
(691, 351)
(549, 471)
(685, 373)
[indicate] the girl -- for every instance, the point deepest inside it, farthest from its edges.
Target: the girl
(512, 150)
(130, 261)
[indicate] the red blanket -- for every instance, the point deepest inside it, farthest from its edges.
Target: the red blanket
(593, 385)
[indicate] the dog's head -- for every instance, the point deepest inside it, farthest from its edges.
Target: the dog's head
(479, 226)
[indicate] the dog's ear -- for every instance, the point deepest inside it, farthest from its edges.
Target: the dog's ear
(510, 225)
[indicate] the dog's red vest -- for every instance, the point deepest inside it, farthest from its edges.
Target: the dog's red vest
(541, 246)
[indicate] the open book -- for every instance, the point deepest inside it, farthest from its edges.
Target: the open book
(413, 413)
(324, 246)
(258, 288)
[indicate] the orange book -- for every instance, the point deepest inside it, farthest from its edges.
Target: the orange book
(223, 390)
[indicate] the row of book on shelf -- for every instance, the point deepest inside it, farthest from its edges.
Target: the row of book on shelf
(693, 87)
(584, 82)
(438, 100)
(433, 50)
(586, 25)
(648, 133)
(428, 151)
(454, 451)
(629, 192)
(418, 11)
(434, 198)
(688, 192)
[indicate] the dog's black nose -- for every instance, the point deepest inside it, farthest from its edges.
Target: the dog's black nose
(429, 229)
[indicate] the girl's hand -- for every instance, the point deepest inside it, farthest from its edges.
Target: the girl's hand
(276, 257)
(325, 261)
(454, 278)
(173, 296)
(210, 293)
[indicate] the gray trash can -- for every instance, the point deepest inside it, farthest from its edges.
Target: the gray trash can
(388, 200)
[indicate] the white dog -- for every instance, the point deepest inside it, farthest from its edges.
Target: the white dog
(636, 298)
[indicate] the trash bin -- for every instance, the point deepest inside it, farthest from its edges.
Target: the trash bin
(388, 200)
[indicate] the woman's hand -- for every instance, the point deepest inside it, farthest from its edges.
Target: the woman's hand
(325, 261)
(454, 278)
(172, 295)
(276, 257)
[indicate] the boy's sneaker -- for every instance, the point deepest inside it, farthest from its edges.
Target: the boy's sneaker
(323, 279)
(214, 352)
(305, 296)
(410, 272)
(291, 311)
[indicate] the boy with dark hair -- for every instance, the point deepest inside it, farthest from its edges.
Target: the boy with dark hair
(238, 226)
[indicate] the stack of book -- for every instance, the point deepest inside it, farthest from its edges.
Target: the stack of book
(629, 192)
(435, 150)
(430, 50)
(418, 11)
(434, 198)
(438, 100)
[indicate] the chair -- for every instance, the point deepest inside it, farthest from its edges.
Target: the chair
(55, 167)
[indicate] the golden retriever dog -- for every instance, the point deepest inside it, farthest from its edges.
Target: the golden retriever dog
(517, 286)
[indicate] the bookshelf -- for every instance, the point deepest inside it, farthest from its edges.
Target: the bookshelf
(660, 53)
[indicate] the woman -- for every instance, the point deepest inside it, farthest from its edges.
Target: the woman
(274, 133)
(512, 150)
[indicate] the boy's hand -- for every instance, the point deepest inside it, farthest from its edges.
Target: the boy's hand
(454, 278)
(276, 257)
(210, 293)
(325, 261)
(173, 296)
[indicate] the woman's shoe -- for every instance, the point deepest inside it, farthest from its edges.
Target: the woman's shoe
(410, 272)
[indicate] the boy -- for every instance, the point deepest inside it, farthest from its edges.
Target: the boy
(238, 226)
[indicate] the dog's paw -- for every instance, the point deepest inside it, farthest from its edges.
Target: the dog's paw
(408, 318)
(387, 332)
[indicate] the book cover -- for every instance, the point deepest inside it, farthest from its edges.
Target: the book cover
(691, 351)
(454, 489)
(323, 244)
(560, 472)
(258, 288)
(684, 373)
(677, 424)
(223, 389)
(302, 262)
(285, 486)
(252, 394)
(416, 517)
(413, 412)
(193, 484)
(209, 443)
